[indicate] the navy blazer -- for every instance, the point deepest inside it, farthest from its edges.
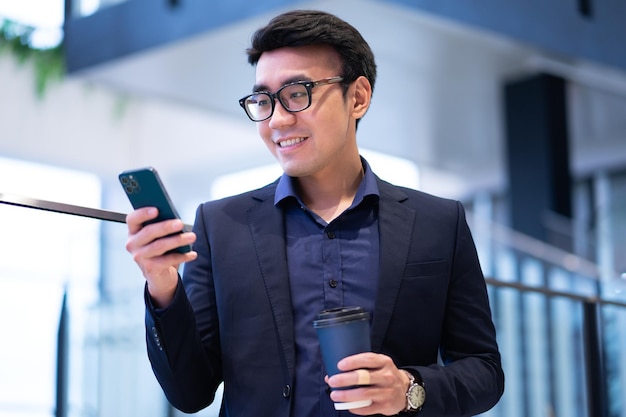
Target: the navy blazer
(233, 321)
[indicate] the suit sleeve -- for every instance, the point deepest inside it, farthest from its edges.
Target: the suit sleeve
(186, 365)
(469, 379)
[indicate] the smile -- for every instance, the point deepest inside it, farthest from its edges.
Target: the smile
(290, 142)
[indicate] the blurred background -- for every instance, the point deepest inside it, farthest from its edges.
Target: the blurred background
(515, 108)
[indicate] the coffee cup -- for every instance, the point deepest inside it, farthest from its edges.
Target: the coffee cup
(343, 332)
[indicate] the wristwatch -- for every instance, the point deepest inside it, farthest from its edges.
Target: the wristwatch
(415, 395)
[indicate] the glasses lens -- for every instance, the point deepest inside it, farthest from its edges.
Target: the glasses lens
(294, 97)
(259, 106)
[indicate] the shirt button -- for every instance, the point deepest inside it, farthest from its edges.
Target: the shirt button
(287, 391)
(331, 235)
(332, 283)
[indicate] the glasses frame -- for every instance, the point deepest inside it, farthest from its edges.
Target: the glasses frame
(308, 85)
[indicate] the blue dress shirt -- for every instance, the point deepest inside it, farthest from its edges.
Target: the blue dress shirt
(330, 265)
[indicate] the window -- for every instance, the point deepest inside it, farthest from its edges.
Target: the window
(43, 254)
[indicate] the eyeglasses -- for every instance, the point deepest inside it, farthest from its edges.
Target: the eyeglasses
(294, 97)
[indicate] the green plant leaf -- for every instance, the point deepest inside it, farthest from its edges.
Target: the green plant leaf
(48, 64)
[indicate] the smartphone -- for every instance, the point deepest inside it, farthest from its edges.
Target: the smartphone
(144, 188)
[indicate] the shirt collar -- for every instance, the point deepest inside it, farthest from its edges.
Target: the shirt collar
(286, 187)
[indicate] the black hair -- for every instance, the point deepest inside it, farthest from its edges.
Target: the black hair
(312, 27)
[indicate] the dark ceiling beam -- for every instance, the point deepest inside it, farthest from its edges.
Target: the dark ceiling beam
(138, 25)
(590, 30)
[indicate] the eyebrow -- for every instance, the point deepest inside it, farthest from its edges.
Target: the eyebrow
(262, 87)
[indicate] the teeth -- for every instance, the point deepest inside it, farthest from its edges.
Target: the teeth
(290, 142)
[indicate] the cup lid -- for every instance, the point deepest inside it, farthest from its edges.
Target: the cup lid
(339, 315)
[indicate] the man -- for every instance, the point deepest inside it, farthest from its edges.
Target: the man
(327, 234)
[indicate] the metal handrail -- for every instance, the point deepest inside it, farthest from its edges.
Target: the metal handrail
(538, 249)
(46, 205)
(553, 293)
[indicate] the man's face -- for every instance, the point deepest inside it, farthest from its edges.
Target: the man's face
(320, 138)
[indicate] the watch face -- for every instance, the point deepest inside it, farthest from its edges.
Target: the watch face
(416, 396)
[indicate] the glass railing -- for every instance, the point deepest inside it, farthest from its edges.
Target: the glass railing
(77, 343)
(560, 321)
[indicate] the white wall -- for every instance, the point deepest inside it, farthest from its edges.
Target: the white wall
(92, 128)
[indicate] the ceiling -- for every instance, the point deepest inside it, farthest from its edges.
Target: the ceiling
(437, 100)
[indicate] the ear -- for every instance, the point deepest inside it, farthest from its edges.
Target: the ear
(362, 95)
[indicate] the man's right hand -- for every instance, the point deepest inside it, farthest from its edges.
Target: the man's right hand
(149, 245)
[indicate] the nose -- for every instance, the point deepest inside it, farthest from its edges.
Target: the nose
(281, 117)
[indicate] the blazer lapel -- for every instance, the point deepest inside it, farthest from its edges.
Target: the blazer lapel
(395, 229)
(267, 229)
